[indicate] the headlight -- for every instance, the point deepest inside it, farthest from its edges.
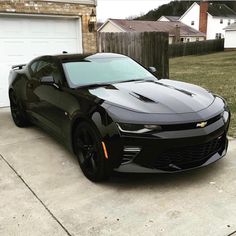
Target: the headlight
(138, 128)
(225, 116)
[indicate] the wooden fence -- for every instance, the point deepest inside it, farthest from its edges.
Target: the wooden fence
(196, 48)
(147, 48)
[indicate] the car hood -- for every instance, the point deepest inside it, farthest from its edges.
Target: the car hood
(162, 96)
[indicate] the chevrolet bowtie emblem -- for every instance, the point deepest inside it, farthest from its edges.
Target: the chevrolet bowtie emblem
(202, 124)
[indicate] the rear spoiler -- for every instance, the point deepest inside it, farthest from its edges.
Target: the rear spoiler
(19, 67)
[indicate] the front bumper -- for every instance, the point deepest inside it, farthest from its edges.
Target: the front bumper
(132, 167)
(173, 151)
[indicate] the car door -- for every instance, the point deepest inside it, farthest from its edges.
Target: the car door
(43, 96)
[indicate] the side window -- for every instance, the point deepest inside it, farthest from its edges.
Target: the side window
(45, 68)
(41, 66)
(48, 68)
(33, 67)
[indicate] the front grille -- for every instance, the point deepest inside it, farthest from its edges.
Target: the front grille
(190, 156)
(188, 125)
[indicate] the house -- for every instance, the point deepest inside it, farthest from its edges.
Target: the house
(32, 28)
(187, 34)
(191, 16)
(230, 37)
(168, 18)
(209, 18)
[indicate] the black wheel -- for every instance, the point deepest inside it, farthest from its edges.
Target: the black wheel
(90, 153)
(18, 115)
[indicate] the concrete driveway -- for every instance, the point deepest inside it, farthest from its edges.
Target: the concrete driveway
(43, 192)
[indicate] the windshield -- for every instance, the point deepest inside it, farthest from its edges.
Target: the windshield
(103, 70)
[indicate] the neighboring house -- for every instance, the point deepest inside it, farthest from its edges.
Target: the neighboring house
(230, 37)
(209, 18)
(186, 33)
(191, 16)
(32, 28)
(168, 18)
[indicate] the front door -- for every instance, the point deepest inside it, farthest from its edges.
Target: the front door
(43, 98)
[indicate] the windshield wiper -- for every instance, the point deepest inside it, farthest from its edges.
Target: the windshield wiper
(94, 85)
(114, 82)
(133, 80)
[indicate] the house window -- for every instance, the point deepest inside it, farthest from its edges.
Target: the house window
(218, 35)
(192, 22)
(229, 22)
(182, 39)
(235, 21)
(188, 40)
(221, 21)
(197, 39)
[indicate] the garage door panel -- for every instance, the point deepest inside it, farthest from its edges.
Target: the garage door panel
(24, 38)
(38, 28)
(12, 50)
(4, 74)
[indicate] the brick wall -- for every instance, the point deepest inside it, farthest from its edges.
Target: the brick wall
(203, 16)
(56, 8)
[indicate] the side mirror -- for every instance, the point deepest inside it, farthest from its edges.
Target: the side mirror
(152, 69)
(47, 79)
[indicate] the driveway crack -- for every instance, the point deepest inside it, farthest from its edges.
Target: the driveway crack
(233, 233)
(36, 196)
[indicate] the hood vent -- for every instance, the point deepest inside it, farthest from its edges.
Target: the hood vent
(141, 97)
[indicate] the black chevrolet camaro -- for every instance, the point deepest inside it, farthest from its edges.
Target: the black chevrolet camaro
(116, 115)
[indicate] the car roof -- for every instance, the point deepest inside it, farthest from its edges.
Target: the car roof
(80, 57)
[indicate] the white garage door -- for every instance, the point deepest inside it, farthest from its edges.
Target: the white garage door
(23, 38)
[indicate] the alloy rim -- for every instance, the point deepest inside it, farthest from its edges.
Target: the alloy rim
(14, 107)
(87, 151)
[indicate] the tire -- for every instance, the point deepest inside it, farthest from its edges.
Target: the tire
(17, 112)
(90, 154)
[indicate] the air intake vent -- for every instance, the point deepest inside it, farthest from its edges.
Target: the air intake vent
(129, 153)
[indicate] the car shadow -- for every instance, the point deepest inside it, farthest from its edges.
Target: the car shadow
(126, 181)
(162, 180)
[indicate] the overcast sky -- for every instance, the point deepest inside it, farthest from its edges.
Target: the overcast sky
(124, 8)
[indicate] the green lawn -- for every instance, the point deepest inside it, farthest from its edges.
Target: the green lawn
(216, 72)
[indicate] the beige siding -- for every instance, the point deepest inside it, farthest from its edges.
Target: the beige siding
(162, 18)
(187, 39)
(171, 39)
(109, 27)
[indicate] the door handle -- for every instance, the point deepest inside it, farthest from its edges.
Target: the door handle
(56, 85)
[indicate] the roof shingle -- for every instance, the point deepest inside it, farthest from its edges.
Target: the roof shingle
(158, 26)
(221, 10)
